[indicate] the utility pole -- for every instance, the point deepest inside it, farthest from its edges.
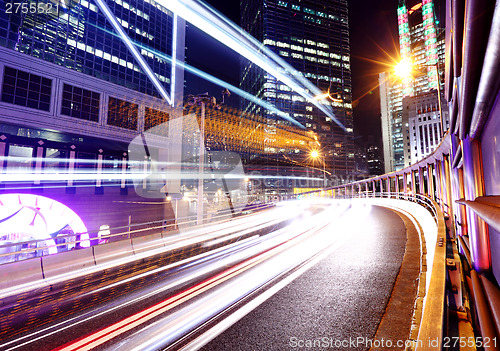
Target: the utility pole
(201, 169)
(203, 100)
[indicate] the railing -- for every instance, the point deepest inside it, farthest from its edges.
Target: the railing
(22, 250)
(429, 319)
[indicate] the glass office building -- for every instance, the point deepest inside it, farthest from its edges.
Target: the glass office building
(74, 96)
(422, 42)
(80, 37)
(312, 36)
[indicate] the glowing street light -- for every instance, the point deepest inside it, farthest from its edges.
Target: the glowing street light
(404, 70)
(327, 95)
(314, 155)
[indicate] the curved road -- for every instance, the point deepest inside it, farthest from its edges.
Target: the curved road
(322, 281)
(337, 304)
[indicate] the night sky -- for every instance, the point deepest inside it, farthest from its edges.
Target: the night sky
(374, 46)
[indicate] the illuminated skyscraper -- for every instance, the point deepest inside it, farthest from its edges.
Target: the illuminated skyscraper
(313, 37)
(80, 37)
(423, 45)
(60, 60)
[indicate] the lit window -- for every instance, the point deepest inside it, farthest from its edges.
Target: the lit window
(122, 113)
(157, 119)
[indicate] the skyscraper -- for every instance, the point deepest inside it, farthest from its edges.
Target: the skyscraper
(79, 81)
(94, 68)
(422, 44)
(313, 37)
(422, 125)
(80, 37)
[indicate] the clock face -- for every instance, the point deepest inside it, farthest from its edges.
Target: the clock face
(28, 217)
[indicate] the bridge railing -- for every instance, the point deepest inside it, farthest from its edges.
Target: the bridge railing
(429, 318)
(463, 174)
(27, 249)
(449, 187)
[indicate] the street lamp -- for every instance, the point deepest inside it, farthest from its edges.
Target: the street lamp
(327, 95)
(314, 155)
(203, 100)
(404, 70)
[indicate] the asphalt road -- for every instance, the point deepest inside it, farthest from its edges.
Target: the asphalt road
(337, 304)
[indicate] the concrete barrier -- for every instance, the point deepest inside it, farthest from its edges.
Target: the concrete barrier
(147, 242)
(21, 272)
(111, 251)
(67, 262)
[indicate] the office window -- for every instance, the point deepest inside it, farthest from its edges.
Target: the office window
(157, 119)
(122, 113)
(26, 89)
(20, 158)
(80, 103)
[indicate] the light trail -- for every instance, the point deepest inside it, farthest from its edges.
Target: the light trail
(91, 176)
(281, 241)
(186, 238)
(136, 172)
(233, 254)
(133, 49)
(234, 89)
(223, 84)
(223, 30)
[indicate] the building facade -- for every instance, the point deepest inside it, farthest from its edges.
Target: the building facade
(422, 43)
(74, 96)
(311, 36)
(391, 92)
(81, 37)
(374, 160)
(423, 130)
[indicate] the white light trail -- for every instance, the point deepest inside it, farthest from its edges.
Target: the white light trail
(137, 55)
(283, 235)
(212, 299)
(212, 79)
(244, 44)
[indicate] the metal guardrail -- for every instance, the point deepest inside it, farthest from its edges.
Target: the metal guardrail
(432, 324)
(486, 207)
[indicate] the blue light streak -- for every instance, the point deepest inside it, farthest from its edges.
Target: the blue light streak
(130, 45)
(212, 79)
(223, 30)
